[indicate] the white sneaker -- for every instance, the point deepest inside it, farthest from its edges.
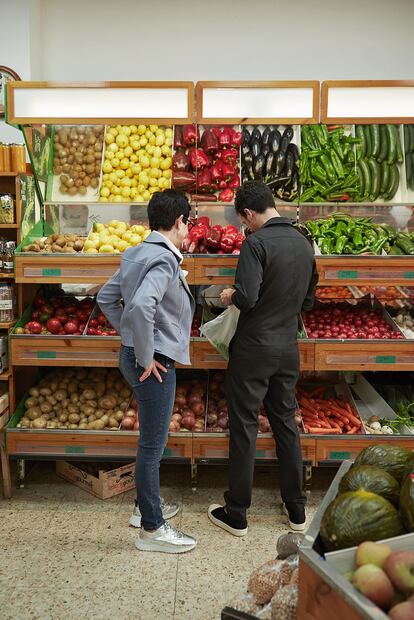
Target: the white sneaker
(296, 527)
(169, 510)
(166, 540)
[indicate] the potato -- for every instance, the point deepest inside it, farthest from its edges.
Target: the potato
(46, 407)
(31, 402)
(113, 422)
(99, 413)
(119, 415)
(73, 426)
(82, 426)
(72, 389)
(25, 422)
(65, 403)
(92, 403)
(33, 413)
(105, 419)
(107, 402)
(45, 391)
(91, 418)
(74, 398)
(124, 405)
(74, 418)
(39, 423)
(52, 400)
(89, 394)
(52, 424)
(98, 425)
(63, 417)
(34, 392)
(86, 410)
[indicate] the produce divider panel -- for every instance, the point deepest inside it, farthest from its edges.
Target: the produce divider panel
(360, 356)
(365, 270)
(342, 448)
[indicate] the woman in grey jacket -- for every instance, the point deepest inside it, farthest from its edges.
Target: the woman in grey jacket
(149, 303)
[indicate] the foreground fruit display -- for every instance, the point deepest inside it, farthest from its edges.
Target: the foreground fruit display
(204, 238)
(58, 315)
(77, 399)
(57, 243)
(137, 162)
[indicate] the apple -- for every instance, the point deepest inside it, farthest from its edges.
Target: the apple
(54, 325)
(93, 323)
(372, 553)
(399, 567)
(402, 611)
(70, 327)
(373, 583)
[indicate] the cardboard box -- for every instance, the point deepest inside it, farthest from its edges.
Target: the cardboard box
(98, 480)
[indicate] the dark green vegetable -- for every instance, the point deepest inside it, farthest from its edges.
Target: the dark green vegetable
(259, 166)
(255, 148)
(373, 479)
(289, 163)
(368, 143)
(266, 135)
(375, 140)
(274, 140)
(375, 179)
(382, 155)
(385, 177)
(269, 164)
(280, 162)
(361, 147)
(256, 136)
(391, 458)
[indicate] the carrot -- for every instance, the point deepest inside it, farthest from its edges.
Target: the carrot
(323, 431)
(353, 430)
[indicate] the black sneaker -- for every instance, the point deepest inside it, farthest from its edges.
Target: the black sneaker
(297, 519)
(218, 515)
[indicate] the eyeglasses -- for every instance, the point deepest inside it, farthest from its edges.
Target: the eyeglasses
(190, 221)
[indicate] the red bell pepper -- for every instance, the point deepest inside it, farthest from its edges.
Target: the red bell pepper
(213, 240)
(226, 137)
(198, 231)
(236, 251)
(231, 230)
(203, 219)
(178, 137)
(198, 158)
(239, 241)
(204, 181)
(227, 244)
(217, 132)
(218, 227)
(237, 138)
(216, 172)
(190, 135)
(222, 184)
(181, 161)
(209, 142)
(234, 182)
(229, 155)
(183, 180)
(228, 172)
(226, 195)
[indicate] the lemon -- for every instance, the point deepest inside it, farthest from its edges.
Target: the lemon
(120, 154)
(107, 184)
(144, 161)
(116, 190)
(122, 246)
(122, 140)
(134, 182)
(150, 148)
(98, 227)
(89, 244)
(159, 132)
(146, 195)
(133, 192)
(141, 129)
(125, 129)
(113, 131)
(153, 128)
(148, 134)
(169, 132)
(109, 155)
(112, 177)
(135, 144)
(120, 174)
(106, 249)
(146, 234)
(126, 192)
(152, 190)
(166, 163)
(157, 151)
(118, 197)
(133, 158)
(107, 167)
(160, 140)
(136, 239)
(139, 198)
(92, 250)
(127, 236)
(136, 169)
(109, 138)
(115, 162)
(141, 188)
(133, 128)
(167, 174)
(168, 141)
(166, 150)
(128, 151)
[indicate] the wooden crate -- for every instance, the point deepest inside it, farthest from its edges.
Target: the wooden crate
(387, 355)
(74, 269)
(365, 270)
(65, 351)
(341, 447)
(307, 355)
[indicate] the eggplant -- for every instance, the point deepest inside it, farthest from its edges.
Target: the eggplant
(246, 136)
(256, 136)
(280, 162)
(265, 149)
(248, 170)
(248, 159)
(266, 135)
(292, 148)
(245, 149)
(289, 164)
(286, 138)
(275, 183)
(255, 148)
(259, 163)
(274, 140)
(269, 164)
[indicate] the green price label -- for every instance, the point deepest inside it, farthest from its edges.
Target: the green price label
(385, 359)
(227, 271)
(339, 456)
(51, 272)
(167, 452)
(260, 454)
(347, 275)
(409, 275)
(46, 355)
(74, 450)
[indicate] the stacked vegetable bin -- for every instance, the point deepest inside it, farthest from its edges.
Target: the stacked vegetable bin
(317, 173)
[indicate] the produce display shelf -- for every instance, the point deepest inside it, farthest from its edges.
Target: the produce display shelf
(7, 324)
(7, 276)
(211, 269)
(9, 174)
(8, 226)
(360, 355)
(5, 376)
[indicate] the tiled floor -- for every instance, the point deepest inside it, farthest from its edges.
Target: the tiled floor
(66, 555)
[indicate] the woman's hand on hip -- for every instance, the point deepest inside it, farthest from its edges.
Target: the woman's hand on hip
(153, 368)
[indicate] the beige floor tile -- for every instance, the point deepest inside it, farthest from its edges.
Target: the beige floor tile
(47, 603)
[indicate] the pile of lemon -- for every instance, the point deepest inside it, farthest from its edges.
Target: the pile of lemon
(114, 237)
(137, 162)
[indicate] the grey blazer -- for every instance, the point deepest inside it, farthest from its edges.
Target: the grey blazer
(157, 308)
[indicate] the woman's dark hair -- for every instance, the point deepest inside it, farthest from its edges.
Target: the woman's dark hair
(165, 207)
(254, 195)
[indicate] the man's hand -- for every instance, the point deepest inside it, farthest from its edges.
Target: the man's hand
(226, 296)
(153, 368)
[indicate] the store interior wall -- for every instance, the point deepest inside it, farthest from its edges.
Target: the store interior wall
(187, 40)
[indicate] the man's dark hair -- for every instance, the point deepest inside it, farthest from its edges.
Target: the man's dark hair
(165, 207)
(254, 195)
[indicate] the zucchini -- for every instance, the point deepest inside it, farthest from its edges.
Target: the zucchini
(411, 130)
(382, 156)
(375, 179)
(399, 152)
(411, 156)
(361, 182)
(392, 144)
(368, 142)
(407, 141)
(375, 140)
(366, 172)
(361, 148)
(393, 183)
(385, 177)
(408, 168)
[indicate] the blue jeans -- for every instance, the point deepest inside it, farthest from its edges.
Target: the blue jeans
(155, 404)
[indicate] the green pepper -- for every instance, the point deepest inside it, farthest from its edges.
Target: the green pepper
(340, 244)
(326, 247)
(341, 228)
(320, 134)
(327, 164)
(307, 194)
(395, 251)
(336, 162)
(379, 245)
(357, 238)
